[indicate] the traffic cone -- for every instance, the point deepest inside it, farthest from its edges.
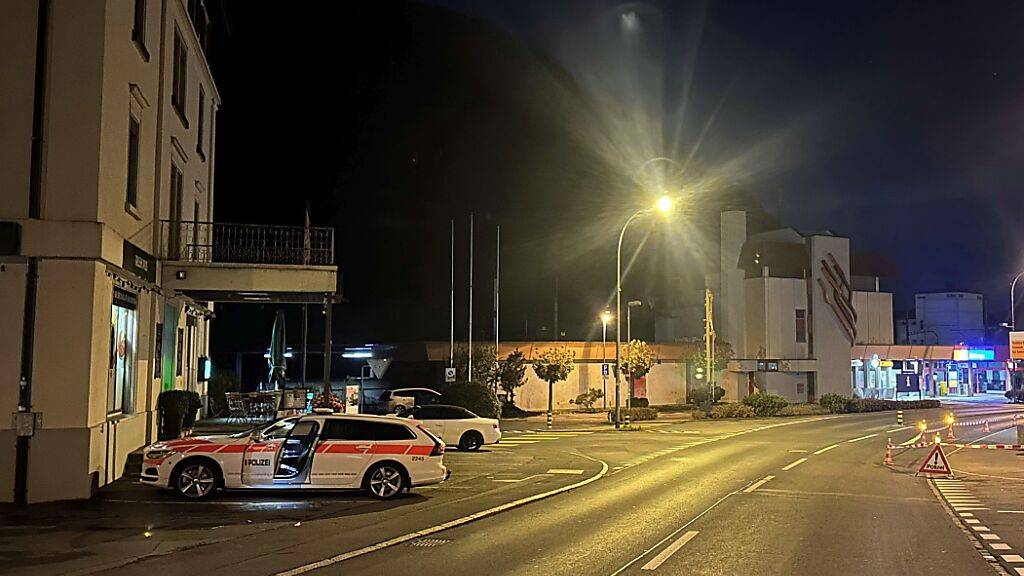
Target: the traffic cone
(888, 453)
(949, 433)
(986, 428)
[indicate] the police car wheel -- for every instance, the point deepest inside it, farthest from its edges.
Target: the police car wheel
(471, 441)
(385, 481)
(195, 480)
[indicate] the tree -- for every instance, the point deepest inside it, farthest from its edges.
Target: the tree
(637, 362)
(512, 374)
(485, 365)
(553, 365)
(695, 354)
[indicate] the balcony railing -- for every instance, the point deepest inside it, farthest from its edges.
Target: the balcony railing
(191, 241)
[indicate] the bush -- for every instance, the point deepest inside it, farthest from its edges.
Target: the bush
(639, 403)
(674, 408)
(732, 411)
(700, 395)
(919, 404)
(474, 396)
(835, 403)
(699, 415)
(635, 414)
(178, 410)
(802, 410)
(513, 411)
(587, 399)
(872, 405)
(765, 404)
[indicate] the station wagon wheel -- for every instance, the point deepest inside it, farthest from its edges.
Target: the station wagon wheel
(196, 480)
(385, 481)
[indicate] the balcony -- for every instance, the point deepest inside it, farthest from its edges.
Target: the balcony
(223, 262)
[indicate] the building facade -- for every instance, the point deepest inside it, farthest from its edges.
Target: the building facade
(944, 318)
(106, 203)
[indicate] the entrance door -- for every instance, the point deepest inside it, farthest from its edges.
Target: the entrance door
(260, 459)
(294, 460)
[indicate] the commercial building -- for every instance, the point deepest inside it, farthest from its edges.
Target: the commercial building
(944, 318)
(109, 259)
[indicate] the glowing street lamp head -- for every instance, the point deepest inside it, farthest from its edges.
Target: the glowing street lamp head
(664, 204)
(606, 317)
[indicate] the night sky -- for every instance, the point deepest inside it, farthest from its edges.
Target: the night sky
(899, 125)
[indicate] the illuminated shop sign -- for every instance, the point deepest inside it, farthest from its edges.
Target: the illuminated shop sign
(974, 354)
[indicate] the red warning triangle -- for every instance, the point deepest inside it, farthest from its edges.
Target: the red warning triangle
(936, 463)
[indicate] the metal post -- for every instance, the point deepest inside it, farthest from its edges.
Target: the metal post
(305, 329)
(451, 302)
(328, 314)
(604, 360)
(618, 315)
(469, 368)
(1013, 307)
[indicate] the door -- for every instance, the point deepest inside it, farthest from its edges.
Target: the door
(260, 458)
(296, 454)
(433, 418)
(342, 454)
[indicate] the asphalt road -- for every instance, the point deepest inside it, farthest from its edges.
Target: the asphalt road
(777, 496)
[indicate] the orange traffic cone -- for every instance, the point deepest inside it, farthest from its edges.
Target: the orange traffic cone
(888, 453)
(949, 433)
(986, 429)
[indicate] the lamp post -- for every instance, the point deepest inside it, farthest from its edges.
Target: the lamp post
(1013, 311)
(629, 342)
(606, 317)
(664, 205)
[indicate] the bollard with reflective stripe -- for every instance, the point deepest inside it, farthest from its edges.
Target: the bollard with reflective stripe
(627, 418)
(549, 420)
(899, 417)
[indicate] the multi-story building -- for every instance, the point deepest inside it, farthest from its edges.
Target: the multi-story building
(944, 318)
(109, 259)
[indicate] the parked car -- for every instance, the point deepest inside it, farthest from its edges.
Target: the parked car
(1016, 395)
(381, 455)
(458, 426)
(400, 400)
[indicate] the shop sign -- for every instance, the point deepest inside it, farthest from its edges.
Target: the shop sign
(138, 262)
(1017, 345)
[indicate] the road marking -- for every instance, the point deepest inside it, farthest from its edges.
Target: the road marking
(442, 527)
(967, 515)
(980, 528)
(669, 551)
(900, 429)
(799, 451)
(826, 449)
(988, 536)
(1019, 571)
(1010, 511)
(999, 546)
(972, 521)
(863, 438)
(1011, 558)
(757, 484)
(794, 464)
(519, 479)
(564, 471)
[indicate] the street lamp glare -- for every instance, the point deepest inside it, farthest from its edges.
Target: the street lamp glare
(664, 204)
(606, 316)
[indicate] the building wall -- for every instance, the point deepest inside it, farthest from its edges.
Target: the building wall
(831, 344)
(874, 317)
(17, 69)
(951, 317)
(771, 305)
(666, 384)
(732, 299)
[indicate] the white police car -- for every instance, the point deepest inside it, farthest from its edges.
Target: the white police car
(381, 455)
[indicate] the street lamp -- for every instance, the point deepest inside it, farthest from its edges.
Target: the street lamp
(606, 317)
(1013, 311)
(664, 205)
(629, 342)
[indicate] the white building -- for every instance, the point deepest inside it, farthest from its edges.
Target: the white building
(109, 260)
(944, 318)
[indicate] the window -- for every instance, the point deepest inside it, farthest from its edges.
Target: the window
(338, 429)
(158, 350)
(175, 239)
(279, 429)
(132, 187)
(801, 325)
(121, 379)
(391, 432)
(139, 28)
(179, 81)
(200, 126)
(200, 21)
(181, 350)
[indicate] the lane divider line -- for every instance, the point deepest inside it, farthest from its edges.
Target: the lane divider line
(826, 449)
(669, 550)
(862, 438)
(442, 527)
(758, 484)
(794, 464)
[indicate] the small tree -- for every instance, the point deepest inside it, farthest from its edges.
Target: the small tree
(512, 374)
(485, 365)
(637, 362)
(587, 399)
(553, 365)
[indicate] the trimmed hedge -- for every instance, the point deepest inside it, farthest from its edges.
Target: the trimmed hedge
(700, 395)
(802, 410)
(732, 411)
(765, 404)
(635, 414)
(476, 397)
(178, 409)
(839, 404)
(639, 402)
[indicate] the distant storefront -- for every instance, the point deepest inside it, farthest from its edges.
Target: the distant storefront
(929, 371)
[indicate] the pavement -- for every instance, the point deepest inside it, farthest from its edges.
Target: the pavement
(805, 495)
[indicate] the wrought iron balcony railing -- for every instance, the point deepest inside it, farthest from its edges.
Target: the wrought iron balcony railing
(191, 241)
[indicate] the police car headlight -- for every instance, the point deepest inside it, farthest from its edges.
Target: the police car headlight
(157, 454)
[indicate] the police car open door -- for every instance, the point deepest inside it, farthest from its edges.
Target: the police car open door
(280, 459)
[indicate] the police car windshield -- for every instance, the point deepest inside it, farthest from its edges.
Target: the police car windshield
(276, 429)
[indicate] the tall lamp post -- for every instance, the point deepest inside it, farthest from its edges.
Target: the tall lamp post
(664, 206)
(606, 317)
(629, 341)
(1013, 307)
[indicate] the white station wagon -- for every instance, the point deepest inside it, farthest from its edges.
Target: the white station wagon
(381, 455)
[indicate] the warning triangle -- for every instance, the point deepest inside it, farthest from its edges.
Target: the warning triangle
(936, 463)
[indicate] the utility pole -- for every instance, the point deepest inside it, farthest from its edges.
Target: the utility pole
(469, 369)
(709, 342)
(557, 335)
(497, 276)
(451, 300)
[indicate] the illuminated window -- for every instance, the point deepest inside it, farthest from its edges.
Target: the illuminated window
(121, 380)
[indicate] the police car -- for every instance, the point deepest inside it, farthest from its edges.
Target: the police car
(381, 455)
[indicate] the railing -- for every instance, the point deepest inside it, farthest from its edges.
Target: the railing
(191, 241)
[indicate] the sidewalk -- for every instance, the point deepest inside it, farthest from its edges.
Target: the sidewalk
(583, 421)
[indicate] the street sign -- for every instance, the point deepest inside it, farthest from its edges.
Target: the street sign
(936, 463)
(605, 370)
(449, 374)
(379, 366)
(1017, 345)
